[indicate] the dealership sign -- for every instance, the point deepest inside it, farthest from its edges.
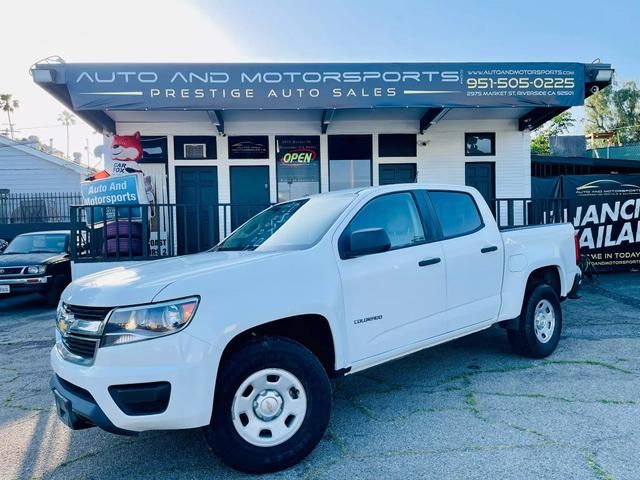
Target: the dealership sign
(326, 85)
(108, 196)
(606, 213)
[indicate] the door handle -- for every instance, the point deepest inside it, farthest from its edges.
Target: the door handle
(492, 248)
(428, 261)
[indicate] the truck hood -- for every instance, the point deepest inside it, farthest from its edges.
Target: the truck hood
(141, 282)
(22, 259)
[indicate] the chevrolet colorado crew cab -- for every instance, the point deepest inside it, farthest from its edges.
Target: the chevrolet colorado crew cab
(242, 339)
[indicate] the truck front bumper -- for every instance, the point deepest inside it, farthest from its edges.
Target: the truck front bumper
(92, 395)
(24, 285)
(78, 410)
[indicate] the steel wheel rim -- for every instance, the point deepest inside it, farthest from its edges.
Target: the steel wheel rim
(544, 321)
(269, 407)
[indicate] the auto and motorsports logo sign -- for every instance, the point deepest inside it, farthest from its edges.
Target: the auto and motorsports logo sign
(327, 85)
(607, 215)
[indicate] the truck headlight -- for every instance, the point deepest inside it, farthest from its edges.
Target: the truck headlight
(144, 322)
(36, 269)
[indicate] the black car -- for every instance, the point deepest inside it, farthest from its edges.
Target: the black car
(36, 262)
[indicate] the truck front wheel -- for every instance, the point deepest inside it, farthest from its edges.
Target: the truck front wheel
(272, 406)
(540, 324)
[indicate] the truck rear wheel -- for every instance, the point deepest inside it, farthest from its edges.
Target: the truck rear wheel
(272, 406)
(540, 324)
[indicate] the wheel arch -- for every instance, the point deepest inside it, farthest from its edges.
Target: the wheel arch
(311, 330)
(549, 274)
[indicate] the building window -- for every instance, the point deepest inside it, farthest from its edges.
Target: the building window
(479, 144)
(248, 147)
(194, 147)
(397, 145)
(154, 150)
(297, 166)
(350, 161)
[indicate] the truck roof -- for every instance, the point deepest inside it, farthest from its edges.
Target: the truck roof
(396, 187)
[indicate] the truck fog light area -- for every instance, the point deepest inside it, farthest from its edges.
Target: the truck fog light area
(145, 322)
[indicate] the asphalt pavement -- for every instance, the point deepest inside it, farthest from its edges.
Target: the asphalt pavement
(469, 409)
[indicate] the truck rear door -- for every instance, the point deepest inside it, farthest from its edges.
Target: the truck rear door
(474, 255)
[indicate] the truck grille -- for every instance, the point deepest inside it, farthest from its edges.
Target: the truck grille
(95, 314)
(81, 346)
(11, 270)
(77, 343)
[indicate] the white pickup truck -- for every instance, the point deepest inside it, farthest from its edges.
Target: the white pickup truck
(242, 339)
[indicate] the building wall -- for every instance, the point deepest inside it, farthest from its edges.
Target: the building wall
(440, 160)
(24, 173)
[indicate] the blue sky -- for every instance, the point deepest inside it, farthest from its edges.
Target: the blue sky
(300, 30)
(428, 30)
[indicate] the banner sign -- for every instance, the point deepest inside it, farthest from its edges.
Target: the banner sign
(113, 191)
(325, 85)
(606, 213)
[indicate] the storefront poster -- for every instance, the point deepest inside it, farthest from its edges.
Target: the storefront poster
(323, 85)
(297, 166)
(248, 147)
(606, 214)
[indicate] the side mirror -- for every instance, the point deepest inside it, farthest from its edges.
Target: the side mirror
(368, 241)
(3, 244)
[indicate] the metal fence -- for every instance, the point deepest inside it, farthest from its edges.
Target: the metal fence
(518, 212)
(148, 232)
(22, 208)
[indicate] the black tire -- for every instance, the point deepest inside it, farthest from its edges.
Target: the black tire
(52, 295)
(524, 340)
(256, 355)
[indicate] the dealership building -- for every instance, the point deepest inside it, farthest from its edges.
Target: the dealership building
(256, 134)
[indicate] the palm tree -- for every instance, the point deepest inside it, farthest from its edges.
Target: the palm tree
(67, 119)
(8, 104)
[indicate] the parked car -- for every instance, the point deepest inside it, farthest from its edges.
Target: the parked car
(242, 340)
(36, 262)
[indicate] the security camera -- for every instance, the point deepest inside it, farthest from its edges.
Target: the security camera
(594, 89)
(423, 143)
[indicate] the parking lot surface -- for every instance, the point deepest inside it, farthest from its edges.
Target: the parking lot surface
(468, 409)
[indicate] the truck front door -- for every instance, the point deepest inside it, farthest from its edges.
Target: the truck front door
(394, 298)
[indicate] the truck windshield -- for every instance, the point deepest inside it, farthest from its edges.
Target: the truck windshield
(292, 225)
(43, 243)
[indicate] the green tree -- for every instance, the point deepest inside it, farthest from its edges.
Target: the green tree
(556, 126)
(67, 119)
(616, 110)
(9, 105)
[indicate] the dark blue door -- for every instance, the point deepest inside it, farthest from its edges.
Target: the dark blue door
(197, 210)
(249, 193)
(482, 176)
